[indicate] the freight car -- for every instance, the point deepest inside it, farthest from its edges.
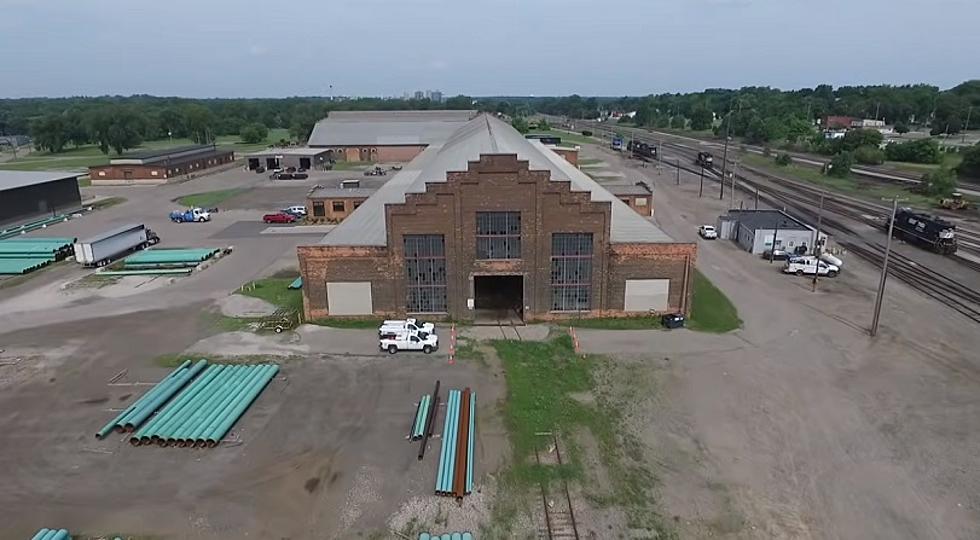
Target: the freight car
(925, 230)
(643, 150)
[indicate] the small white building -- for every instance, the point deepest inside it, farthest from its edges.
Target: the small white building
(759, 230)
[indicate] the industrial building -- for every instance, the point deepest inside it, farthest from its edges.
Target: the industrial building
(756, 230)
(486, 225)
(332, 205)
(26, 195)
(159, 166)
(637, 196)
(299, 158)
(384, 136)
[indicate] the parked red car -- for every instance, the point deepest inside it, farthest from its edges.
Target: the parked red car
(280, 217)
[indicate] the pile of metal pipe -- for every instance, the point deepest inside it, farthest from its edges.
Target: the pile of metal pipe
(454, 476)
(446, 536)
(430, 423)
(421, 415)
(53, 534)
(203, 413)
(145, 406)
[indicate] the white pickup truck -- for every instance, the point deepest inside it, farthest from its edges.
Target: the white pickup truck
(408, 341)
(406, 325)
(809, 266)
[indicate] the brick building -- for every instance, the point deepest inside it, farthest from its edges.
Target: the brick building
(487, 224)
(384, 136)
(637, 196)
(159, 166)
(335, 204)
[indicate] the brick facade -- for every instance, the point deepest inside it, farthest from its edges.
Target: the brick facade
(331, 209)
(157, 173)
(401, 153)
(497, 182)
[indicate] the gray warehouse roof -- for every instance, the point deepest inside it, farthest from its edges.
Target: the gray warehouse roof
(767, 219)
(291, 151)
(19, 179)
(483, 135)
(351, 128)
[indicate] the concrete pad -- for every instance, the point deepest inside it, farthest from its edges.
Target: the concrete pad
(248, 344)
(531, 332)
(239, 305)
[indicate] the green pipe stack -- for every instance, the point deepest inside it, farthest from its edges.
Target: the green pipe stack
(51, 534)
(23, 255)
(196, 405)
(421, 415)
(31, 226)
(163, 261)
(454, 475)
(203, 412)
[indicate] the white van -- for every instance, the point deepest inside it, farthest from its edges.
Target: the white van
(809, 266)
(405, 341)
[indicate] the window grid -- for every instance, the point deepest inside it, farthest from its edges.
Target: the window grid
(498, 235)
(425, 273)
(571, 271)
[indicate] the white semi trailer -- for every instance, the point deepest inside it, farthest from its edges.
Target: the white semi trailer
(103, 248)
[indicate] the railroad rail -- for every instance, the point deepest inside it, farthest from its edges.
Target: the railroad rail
(559, 516)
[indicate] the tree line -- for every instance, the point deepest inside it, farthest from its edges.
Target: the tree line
(119, 123)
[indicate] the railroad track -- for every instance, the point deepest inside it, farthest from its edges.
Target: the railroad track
(559, 516)
(804, 199)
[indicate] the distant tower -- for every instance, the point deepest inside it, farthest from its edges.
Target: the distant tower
(436, 96)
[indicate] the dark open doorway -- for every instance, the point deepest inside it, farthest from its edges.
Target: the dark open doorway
(499, 299)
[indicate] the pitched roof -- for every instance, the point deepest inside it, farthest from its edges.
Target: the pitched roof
(482, 135)
(19, 179)
(349, 128)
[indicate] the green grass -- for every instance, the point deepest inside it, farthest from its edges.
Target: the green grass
(543, 381)
(208, 199)
(711, 310)
(107, 202)
(852, 186)
(352, 165)
(617, 323)
(83, 157)
(342, 322)
(950, 160)
(468, 349)
(275, 290)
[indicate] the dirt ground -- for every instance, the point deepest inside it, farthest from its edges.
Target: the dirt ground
(799, 425)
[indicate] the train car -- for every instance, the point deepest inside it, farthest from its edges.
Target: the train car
(705, 160)
(925, 230)
(644, 151)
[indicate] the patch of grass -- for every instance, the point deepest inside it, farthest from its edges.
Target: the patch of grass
(208, 199)
(644, 322)
(276, 291)
(173, 360)
(849, 186)
(342, 322)
(352, 165)
(468, 349)
(84, 181)
(106, 203)
(711, 310)
(543, 379)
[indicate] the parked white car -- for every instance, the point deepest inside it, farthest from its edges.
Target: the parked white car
(809, 266)
(406, 325)
(405, 341)
(708, 232)
(296, 210)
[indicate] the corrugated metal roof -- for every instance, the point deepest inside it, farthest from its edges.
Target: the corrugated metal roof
(627, 189)
(296, 151)
(351, 128)
(483, 135)
(19, 179)
(112, 232)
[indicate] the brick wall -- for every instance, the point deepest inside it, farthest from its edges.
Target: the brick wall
(495, 183)
(330, 214)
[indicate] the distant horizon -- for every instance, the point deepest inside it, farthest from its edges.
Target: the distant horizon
(447, 95)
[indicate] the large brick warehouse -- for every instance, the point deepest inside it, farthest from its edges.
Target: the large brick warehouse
(384, 136)
(488, 224)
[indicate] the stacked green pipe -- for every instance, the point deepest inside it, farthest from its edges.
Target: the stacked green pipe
(421, 415)
(470, 444)
(22, 255)
(447, 456)
(163, 261)
(51, 534)
(141, 409)
(203, 413)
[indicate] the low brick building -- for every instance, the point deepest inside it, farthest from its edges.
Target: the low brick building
(637, 196)
(332, 205)
(384, 136)
(159, 166)
(490, 225)
(296, 157)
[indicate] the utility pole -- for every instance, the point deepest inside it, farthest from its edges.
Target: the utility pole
(701, 188)
(734, 170)
(757, 197)
(817, 248)
(884, 269)
(724, 157)
(772, 251)
(678, 171)
(877, 109)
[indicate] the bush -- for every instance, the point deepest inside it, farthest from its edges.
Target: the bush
(254, 133)
(901, 128)
(970, 166)
(921, 151)
(939, 183)
(869, 155)
(857, 138)
(586, 133)
(543, 125)
(520, 124)
(840, 165)
(766, 151)
(784, 159)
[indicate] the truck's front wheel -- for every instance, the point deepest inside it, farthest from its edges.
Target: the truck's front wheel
(392, 349)
(427, 349)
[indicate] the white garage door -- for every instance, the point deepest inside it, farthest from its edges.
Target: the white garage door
(646, 294)
(349, 298)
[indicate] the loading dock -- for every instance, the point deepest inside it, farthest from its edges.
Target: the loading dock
(498, 297)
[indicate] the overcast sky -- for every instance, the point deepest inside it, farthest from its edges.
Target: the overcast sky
(232, 48)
